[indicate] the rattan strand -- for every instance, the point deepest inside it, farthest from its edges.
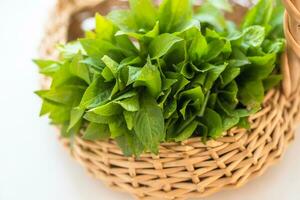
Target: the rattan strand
(192, 169)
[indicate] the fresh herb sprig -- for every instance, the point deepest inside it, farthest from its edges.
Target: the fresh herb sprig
(153, 74)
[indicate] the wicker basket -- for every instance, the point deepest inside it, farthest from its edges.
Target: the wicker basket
(189, 169)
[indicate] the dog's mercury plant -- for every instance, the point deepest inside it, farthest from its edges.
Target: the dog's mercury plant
(154, 74)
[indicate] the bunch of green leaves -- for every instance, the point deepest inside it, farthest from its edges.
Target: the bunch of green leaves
(152, 74)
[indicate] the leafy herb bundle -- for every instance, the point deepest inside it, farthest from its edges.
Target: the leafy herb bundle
(149, 75)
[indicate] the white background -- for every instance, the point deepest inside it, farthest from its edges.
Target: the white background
(33, 165)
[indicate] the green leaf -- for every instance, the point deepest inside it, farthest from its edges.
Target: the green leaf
(174, 13)
(193, 97)
(141, 36)
(274, 46)
(244, 123)
(107, 74)
(213, 75)
(260, 14)
(118, 128)
(260, 68)
(144, 12)
(126, 46)
(130, 144)
(76, 116)
(229, 93)
(198, 47)
(228, 75)
(271, 81)
(191, 23)
(177, 55)
(105, 29)
(184, 108)
(112, 65)
(251, 93)
(238, 63)
(96, 94)
(194, 94)
(97, 48)
(214, 49)
(168, 83)
(126, 95)
(239, 58)
(276, 21)
(46, 108)
(213, 122)
(128, 101)
(70, 49)
(90, 34)
(67, 95)
(170, 109)
(253, 36)
(96, 131)
(79, 69)
(70, 133)
(99, 119)
(180, 85)
(150, 77)
(162, 44)
(229, 122)
(62, 75)
(130, 104)
(187, 132)
(149, 124)
(133, 74)
(209, 14)
(129, 119)
(47, 67)
(131, 61)
(124, 19)
(96, 64)
(108, 109)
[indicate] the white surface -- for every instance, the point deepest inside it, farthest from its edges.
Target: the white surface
(33, 165)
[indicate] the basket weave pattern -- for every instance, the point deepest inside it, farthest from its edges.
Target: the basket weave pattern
(193, 169)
